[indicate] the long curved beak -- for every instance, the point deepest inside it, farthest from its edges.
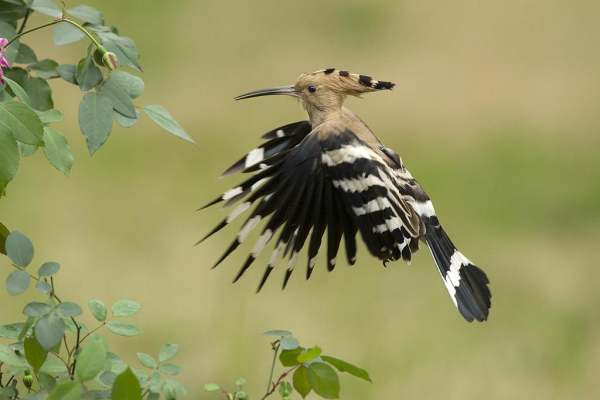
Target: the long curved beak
(287, 90)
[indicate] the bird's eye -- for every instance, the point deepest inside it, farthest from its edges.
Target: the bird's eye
(312, 89)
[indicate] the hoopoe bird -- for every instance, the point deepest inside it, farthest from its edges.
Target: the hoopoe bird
(331, 173)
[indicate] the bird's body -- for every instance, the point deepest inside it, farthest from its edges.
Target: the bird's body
(333, 174)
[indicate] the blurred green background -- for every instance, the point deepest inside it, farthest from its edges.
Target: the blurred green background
(496, 112)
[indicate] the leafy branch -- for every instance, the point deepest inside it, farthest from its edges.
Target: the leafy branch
(43, 362)
(27, 113)
(309, 368)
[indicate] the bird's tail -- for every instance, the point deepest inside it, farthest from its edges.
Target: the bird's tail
(466, 283)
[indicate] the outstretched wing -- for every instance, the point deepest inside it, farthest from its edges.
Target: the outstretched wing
(278, 140)
(326, 181)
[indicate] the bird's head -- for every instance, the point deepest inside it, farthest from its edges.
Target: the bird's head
(324, 90)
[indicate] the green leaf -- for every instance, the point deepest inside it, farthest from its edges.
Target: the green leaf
(162, 117)
(98, 309)
(91, 360)
(53, 366)
(87, 14)
(175, 390)
(124, 121)
(147, 360)
(285, 389)
(49, 268)
(47, 382)
(46, 7)
(45, 68)
(19, 249)
(66, 390)
(68, 309)
(87, 74)
(300, 381)
(7, 30)
(344, 366)
(43, 287)
(18, 91)
(123, 47)
(107, 378)
(68, 73)
(126, 387)
(17, 74)
(125, 308)
(57, 150)
(17, 282)
(211, 387)
(289, 358)
(169, 369)
(95, 120)
(10, 357)
(26, 55)
(324, 380)
(49, 330)
(9, 163)
(289, 343)
(26, 328)
(22, 122)
(50, 116)
(122, 329)
(36, 309)
(133, 85)
(27, 149)
(40, 93)
(309, 354)
(120, 99)
(278, 332)
(11, 331)
(34, 353)
(65, 33)
(167, 352)
(11, 11)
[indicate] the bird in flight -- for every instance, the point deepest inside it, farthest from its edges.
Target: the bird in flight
(331, 173)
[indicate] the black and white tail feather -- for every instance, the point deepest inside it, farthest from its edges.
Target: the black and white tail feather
(307, 182)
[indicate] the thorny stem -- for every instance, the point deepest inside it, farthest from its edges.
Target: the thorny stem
(57, 21)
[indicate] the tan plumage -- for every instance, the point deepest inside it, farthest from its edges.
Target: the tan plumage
(332, 174)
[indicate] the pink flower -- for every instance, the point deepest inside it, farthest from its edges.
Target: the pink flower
(3, 61)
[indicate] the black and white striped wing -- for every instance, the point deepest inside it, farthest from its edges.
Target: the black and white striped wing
(332, 183)
(278, 140)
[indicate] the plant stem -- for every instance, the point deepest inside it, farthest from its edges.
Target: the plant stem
(92, 331)
(27, 14)
(275, 345)
(75, 349)
(271, 390)
(58, 21)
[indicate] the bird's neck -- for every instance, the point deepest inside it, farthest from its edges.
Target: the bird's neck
(319, 115)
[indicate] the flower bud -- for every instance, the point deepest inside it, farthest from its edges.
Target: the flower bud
(110, 60)
(28, 380)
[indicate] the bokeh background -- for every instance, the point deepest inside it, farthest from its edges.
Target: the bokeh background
(496, 112)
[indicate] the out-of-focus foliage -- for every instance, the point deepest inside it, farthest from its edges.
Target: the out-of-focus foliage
(26, 103)
(305, 370)
(52, 354)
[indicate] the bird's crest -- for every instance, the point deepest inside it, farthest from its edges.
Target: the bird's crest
(343, 81)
